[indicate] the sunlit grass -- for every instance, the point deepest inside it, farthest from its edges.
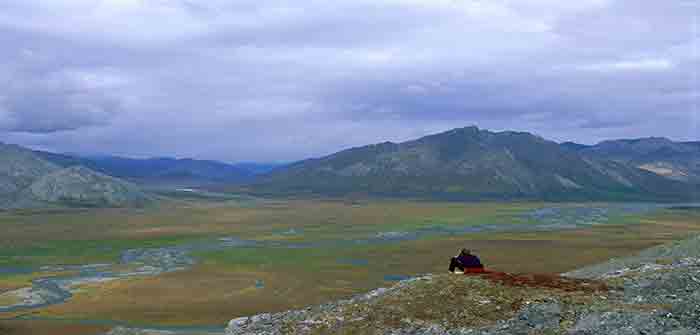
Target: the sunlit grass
(8, 299)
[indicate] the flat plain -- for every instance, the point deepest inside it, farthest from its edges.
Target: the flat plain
(246, 256)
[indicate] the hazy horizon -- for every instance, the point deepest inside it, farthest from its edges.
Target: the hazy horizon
(282, 162)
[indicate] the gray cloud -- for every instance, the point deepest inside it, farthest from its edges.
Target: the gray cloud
(46, 112)
(45, 100)
(284, 80)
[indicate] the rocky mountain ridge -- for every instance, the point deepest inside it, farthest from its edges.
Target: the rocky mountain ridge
(674, 160)
(28, 181)
(473, 164)
(83, 187)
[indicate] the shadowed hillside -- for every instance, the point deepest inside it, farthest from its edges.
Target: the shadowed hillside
(469, 163)
(674, 160)
(164, 171)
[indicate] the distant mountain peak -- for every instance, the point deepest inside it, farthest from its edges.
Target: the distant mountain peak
(470, 163)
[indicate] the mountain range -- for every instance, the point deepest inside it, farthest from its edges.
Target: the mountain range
(675, 160)
(461, 164)
(164, 171)
(473, 164)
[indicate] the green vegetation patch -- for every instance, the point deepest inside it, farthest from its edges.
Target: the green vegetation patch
(78, 252)
(302, 259)
(12, 281)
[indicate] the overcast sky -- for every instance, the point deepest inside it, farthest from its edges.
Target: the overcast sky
(274, 80)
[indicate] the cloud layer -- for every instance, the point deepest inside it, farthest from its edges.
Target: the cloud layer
(284, 80)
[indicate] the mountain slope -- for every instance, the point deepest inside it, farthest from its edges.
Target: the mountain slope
(469, 163)
(674, 160)
(18, 169)
(27, 180)
(182, 172)
(83, 187)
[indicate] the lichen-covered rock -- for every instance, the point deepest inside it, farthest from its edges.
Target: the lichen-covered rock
(541, 316)
(625, 323)
(678, 254)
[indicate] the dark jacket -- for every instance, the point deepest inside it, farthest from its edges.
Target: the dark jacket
(469, 261)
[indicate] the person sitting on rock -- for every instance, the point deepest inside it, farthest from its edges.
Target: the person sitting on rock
(465, 262)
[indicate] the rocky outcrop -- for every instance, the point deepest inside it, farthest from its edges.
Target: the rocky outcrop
(29, 181)
(18, 169)
(84, 187)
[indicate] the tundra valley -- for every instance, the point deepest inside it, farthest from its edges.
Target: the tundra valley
(86, 253)
(349, 167)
